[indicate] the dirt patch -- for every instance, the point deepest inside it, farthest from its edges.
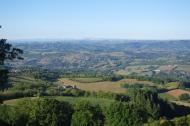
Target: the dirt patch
(177, 92)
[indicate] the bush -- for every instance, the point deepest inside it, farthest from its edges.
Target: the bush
(136, 85)
(184, 97)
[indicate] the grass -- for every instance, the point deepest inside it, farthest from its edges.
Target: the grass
(181, 103)
(87, 80)
(24, 79)
(101, 101)
(122, 73)
(107, 86)
(171, 85)
(95, 86)
(168, 97)
(185, 68)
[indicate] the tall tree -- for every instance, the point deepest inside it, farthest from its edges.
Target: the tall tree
(7, 52)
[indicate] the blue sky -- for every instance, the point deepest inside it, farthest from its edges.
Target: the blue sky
(76, 19)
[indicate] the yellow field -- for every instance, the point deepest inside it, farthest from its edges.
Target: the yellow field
(102, 86)
(121, 72)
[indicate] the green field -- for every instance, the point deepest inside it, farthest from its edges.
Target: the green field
(87, 80)
(167, 97)
(171, 85)
(24, 79)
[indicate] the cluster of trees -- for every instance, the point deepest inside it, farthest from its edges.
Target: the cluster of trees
(50, 112)
(136, 85)
(163, 77)
(184, 97)
(179, 121)
(143, 107)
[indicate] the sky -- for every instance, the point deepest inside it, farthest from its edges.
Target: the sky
(95, 19)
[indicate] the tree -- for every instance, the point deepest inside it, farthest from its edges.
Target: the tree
(3, 77)
(7, 52)
(50, 112)
(87, 115)
(11, 116)
(124, 114)
(184, 97)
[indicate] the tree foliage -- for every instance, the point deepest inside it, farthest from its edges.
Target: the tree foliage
(7, 52)
(50, 112)
(87, 115)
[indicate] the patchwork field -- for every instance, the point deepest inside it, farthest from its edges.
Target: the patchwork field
(167, 67)
(103, 85)
(122, 73)
(185, 68)
(177, 92)
(141, 69)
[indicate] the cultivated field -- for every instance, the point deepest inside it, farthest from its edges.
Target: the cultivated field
(103, 85)
(185, 68)
(177, 92)
(171, 85)
(87, 80)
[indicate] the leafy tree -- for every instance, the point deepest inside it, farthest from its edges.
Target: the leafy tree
(7, 52)
(147, 100)
(3, 77)
(2, 123)
(50, 112)
(82, 118)
(87, 115)
(124, 114)
(12, 116)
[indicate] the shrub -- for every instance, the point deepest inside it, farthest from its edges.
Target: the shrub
(184, 97)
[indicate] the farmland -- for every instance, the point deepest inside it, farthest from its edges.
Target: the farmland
(111, 56)
(150, 77)
(101, 85)
(177, 92)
